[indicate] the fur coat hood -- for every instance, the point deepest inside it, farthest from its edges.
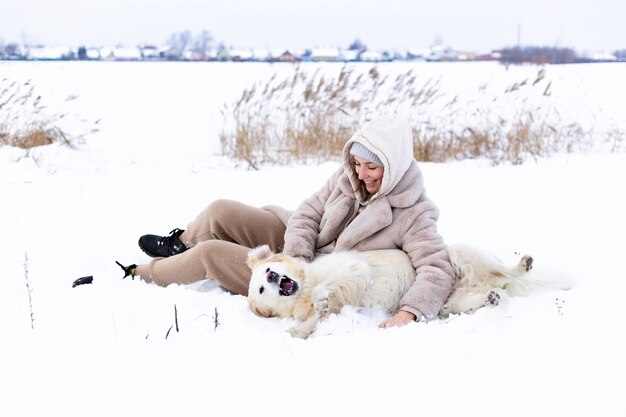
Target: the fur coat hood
(391, 140)
(399, 216)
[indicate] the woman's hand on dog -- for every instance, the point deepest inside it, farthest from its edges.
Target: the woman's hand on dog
(400, 319)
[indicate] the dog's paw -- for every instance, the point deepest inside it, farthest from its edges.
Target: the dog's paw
(304, 329)
(493, 299)
(322, 307)
(525, 264)
(300, 332)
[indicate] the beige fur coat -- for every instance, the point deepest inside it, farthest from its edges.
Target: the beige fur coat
(399, 216)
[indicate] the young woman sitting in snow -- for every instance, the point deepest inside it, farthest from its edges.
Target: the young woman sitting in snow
(376, 200)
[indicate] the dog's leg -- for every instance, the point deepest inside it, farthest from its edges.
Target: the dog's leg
(525, 264)
(322, 311)
(304, 329)
(324, 305)
(467, 301)
(327, 300)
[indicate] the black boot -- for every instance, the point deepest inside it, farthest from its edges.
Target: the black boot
(162, 246)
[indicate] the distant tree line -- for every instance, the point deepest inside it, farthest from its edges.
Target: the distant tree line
(199, 44)
(547, 55)
(620, 55)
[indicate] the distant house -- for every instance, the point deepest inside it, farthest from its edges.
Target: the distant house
(288, 57)
(350, 55)
(106, 53)
(49, 53)
(92, 54)
(127, 54)
(373, 56)
(417, 54)
(275, 53)
(120, 54)
(442, 53)
(211, 55)
(465, 56)
(262, 54)
(223, 55)
(394, 55)
(325, 55)
(189, 55)
(602, 56)
(488, 56)
(169, 53)
(149, 52)
(240, 55)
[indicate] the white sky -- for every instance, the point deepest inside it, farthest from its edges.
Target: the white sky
(468, 25)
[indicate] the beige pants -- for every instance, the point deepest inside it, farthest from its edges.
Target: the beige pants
(219, 240)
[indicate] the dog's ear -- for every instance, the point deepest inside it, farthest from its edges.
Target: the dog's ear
(258, 254)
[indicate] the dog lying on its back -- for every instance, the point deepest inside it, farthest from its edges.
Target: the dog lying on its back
(285, 287)
(282, 286)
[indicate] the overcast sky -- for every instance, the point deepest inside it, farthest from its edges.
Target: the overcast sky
(585, 25)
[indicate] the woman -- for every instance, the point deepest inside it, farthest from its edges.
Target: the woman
(376, 200)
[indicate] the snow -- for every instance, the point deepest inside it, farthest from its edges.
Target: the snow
(102, 350)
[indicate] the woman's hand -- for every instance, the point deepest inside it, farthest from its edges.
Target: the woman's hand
(400, 319)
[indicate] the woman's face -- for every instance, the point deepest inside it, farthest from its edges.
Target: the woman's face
(371, 174)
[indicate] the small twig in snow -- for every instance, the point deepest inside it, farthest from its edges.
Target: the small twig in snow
(176, 317)
(216, 322)
(30, 299)
(175, 323)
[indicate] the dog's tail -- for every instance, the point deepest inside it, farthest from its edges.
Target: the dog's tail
(538, 280)
(477, 268)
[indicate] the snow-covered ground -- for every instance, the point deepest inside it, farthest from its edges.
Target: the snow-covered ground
(101, 349)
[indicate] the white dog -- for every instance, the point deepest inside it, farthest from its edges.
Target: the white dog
(282, 286)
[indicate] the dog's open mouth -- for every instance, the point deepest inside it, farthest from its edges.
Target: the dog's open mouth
(287, 286)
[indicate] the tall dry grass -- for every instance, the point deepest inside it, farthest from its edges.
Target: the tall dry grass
(26, 122)
(308, 116)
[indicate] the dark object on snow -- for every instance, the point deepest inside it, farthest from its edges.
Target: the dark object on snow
(128, 270)
(162, 246)
(83, 280)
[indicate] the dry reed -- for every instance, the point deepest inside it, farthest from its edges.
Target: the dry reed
(25, 122)
(308, 116)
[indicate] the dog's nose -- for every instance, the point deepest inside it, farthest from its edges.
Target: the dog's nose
(272, 277)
